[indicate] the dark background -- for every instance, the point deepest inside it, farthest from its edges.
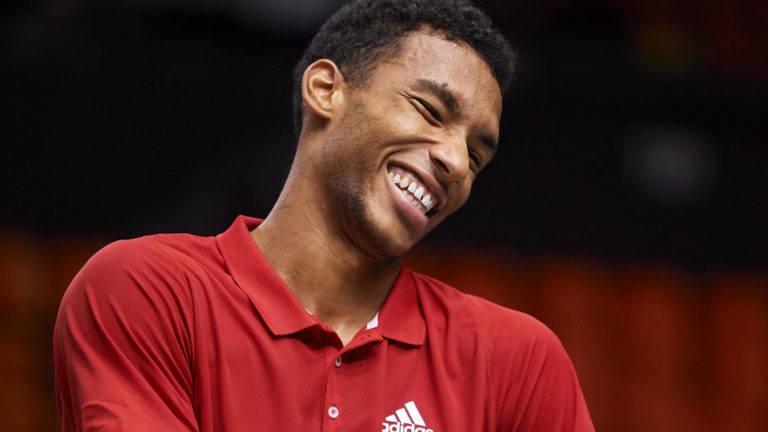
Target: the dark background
(626, 208)
(636, 130)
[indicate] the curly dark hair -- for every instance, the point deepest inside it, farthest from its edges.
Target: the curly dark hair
(365, 32)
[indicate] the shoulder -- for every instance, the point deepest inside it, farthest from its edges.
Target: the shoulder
(134, 292)
(510, 331)
(500, 326)
(159, 254)
(518, 346)
(124, 331)
(141, 270)
(532, 382)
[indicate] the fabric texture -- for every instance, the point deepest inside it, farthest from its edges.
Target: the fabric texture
(175, 332)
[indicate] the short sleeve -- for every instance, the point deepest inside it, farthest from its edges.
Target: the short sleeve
(122, 346)
(533, 380)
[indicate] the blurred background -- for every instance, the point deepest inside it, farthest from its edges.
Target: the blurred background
(626, 208)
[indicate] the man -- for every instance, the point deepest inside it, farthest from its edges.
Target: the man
(308, 320)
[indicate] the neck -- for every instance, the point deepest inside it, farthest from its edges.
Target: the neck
(333, 278)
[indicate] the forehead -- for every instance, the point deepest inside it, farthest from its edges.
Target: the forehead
(454, 65)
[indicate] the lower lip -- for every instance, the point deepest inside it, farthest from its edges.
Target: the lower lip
(416, 218)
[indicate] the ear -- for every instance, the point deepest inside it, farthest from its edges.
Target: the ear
(321, 88)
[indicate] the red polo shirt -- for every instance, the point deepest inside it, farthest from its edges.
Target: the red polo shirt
(176, 332)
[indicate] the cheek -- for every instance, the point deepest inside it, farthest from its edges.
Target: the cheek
(381, 136)
(397, 118)
(464, 193)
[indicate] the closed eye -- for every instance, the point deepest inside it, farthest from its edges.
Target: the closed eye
(429, 111)
(475, 157)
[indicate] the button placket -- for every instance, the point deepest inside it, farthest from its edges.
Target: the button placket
(333, 400)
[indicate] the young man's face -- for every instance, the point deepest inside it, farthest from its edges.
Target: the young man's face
(410, 143)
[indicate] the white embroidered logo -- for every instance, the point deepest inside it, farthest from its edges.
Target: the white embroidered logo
(407, 419)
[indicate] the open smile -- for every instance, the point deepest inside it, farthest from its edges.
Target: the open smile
(413, 189)
(413, 192)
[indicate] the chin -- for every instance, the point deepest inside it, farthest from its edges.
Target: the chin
(375, 230)
(384, 239)
(385, 244)
(398, 247)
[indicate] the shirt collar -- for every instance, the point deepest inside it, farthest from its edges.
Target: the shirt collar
(275, 302)
(400, 318)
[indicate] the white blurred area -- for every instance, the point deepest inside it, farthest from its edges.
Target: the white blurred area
(670, 164)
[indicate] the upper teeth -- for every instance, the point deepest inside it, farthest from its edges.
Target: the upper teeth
(413, 187)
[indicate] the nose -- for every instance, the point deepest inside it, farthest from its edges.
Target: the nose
(451, 159)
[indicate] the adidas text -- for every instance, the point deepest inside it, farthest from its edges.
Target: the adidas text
(399, 427)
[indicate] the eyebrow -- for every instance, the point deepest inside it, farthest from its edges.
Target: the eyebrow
(447, 97)
(451, 102)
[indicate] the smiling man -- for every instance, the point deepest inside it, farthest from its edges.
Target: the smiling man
(308, 320)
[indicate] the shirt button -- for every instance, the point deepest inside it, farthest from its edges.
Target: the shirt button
(338, 361)
(333, 412)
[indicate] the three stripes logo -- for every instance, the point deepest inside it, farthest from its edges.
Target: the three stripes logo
(406, 419)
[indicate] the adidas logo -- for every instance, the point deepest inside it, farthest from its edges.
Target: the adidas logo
(406, 419)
